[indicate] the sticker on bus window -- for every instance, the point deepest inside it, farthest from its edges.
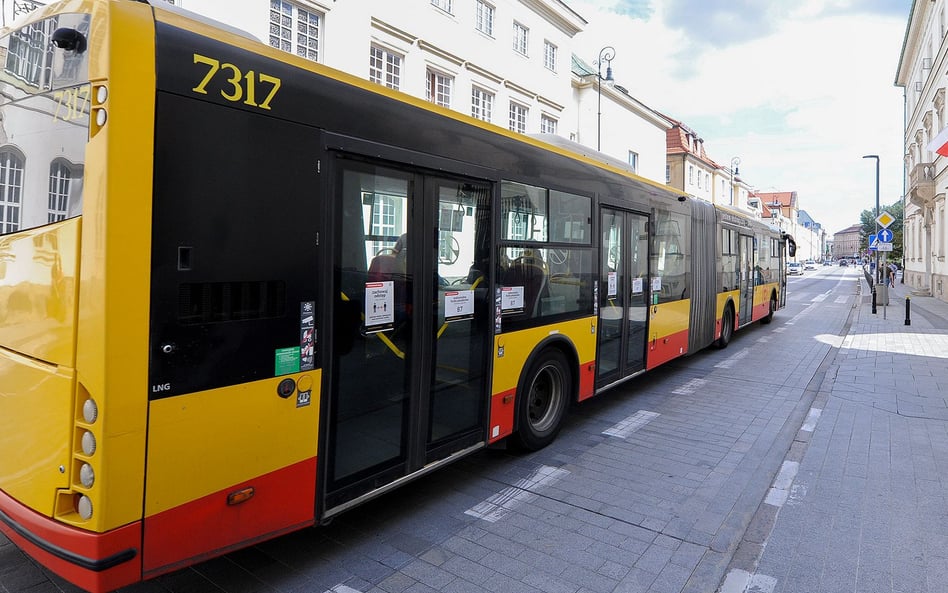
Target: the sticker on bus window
(307, 335)
(511, 298)
(379, 306)
(612, 286)
(458, 305)
(286, 361)
(638, 285)
(657, 284)
(498, 310)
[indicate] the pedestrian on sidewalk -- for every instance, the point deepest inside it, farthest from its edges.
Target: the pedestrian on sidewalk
(893, 269)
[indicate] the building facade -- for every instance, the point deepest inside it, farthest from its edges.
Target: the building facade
(923, 75)
(847, 243)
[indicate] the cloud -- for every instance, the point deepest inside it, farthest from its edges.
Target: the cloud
(800, 90)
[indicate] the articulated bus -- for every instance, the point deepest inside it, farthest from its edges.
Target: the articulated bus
(241, 292)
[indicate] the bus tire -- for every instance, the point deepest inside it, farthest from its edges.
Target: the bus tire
(773, 307)
(727, 327)
(542, 400)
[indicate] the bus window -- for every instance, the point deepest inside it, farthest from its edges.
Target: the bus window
(671, 257)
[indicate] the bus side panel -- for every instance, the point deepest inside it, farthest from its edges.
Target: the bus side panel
(511, 352)
(762, 300)
(207, 446)
(734, 297)
(668, 332)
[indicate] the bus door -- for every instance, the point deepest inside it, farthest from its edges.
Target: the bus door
(747, 279)
(410, 327)
(623, 295)
(782, 272)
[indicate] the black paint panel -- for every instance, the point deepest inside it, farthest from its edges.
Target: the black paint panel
(234, 243)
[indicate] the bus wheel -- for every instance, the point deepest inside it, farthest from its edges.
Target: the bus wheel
(770, 313)
(727, 327)
(542, 400)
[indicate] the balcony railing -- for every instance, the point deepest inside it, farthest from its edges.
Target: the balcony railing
(922, 184)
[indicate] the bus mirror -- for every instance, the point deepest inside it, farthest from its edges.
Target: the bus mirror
(69, 40)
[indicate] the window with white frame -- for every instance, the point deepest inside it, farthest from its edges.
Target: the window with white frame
(521, 36)
(484, 18)
(60, 177)
(27, 57)
(11, 190)
(634, 162)
(691, 174)
(295, 30)
(699, 179)
(518, 117)
(547, 124)
(549, 56)
(438, 88)
(385, 67)
(482, 103)
(445, 5)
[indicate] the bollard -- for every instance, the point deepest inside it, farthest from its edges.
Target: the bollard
(873, 300)
(908, 310)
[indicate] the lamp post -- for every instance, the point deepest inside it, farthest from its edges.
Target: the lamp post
(735, 161)
(606, 54)
(876, 157)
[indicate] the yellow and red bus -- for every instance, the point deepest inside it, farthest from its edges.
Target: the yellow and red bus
(241, 292)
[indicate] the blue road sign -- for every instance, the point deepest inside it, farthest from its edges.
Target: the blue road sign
(873, 242)
(885, 236)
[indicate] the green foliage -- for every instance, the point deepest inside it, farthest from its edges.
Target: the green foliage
(867, 218)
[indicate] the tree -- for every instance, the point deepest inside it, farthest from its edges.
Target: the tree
(868, 221)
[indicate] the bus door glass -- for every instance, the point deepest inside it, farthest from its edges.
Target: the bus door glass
(747, 279)
(781, 253)
(623, 294)
(410, 325)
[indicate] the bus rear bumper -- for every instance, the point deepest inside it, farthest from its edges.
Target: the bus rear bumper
(97, 562)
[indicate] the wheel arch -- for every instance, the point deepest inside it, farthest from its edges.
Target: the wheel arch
(568, 349)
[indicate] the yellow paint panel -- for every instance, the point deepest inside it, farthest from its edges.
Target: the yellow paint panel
(35, 428)
(38, 273)
(518, 346)
(668, 318)
(724, 297)
(204, 442)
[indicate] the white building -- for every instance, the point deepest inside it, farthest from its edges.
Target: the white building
(923, 75)
(509, 62)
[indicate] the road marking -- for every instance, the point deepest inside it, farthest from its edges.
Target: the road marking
(733, 359)
(780, 490)
(499, 505)
(632, 423)
(342, 589)
(841, 300)
(741, 581)
(690, 387)
(811, 419)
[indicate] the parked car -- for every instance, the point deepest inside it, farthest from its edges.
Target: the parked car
(809, 265)
(794, 268)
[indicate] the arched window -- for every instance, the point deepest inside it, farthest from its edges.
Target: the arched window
(11, 189)
(60, 178)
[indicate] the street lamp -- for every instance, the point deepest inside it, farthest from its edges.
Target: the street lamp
(876, 157)
(606, 54)
(735, 161)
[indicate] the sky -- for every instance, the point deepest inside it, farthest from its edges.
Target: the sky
(799, 90)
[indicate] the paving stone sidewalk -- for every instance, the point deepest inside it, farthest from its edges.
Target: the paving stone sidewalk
(861, 501)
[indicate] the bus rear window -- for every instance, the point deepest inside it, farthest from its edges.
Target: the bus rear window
(44, 109)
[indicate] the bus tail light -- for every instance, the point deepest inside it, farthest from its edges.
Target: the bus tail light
(100, 112)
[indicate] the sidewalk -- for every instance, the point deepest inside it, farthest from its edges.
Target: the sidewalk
(861, 501)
